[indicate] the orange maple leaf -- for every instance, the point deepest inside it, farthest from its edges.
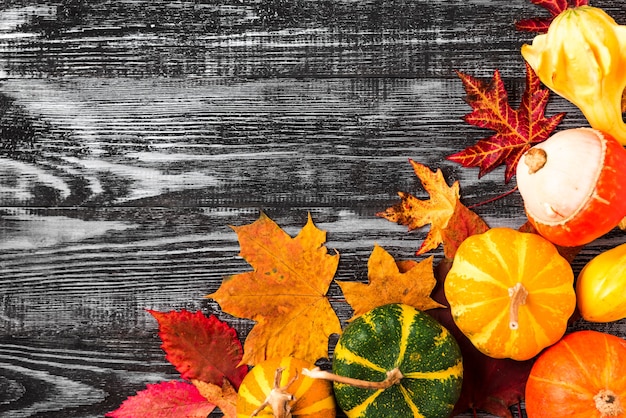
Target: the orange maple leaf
(436, 211)
(391, 282)
(285, 293)
(224, 397)
(450, 221)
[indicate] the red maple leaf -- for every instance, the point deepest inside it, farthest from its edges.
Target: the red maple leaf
(555, 7)
(516, 130)
(201, 348)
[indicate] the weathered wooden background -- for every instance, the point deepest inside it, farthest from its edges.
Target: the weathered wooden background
(133, 132)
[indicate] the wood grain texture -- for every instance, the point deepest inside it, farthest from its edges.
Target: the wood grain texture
(133, 133)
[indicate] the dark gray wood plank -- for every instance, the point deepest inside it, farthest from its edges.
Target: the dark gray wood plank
(260, 38)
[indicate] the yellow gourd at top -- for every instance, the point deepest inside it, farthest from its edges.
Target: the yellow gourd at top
(511, 293)
(582, 58)
(601, 287)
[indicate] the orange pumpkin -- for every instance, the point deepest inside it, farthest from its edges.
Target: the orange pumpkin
(292, 393)
(510, 293)
(582, 376)
(572, 185)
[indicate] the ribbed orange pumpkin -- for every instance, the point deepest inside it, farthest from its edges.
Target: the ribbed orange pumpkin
(510, 292)
(581, 376)
(312, 398)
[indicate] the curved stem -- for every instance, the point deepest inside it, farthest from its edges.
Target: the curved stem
(393, 377)
(493, 199)
(518, 294)
(278, 398)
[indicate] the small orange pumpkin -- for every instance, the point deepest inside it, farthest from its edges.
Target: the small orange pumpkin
(572, 185)
(581, 376)
(510, 292)
(277, 388)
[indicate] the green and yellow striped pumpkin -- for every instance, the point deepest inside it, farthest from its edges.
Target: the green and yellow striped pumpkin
(398, 336)
(312, 398)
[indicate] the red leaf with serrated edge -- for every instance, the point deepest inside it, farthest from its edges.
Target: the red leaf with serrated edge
(554, 7)
(201, 348)
(516, 130)
(463, 223)
(165, 400)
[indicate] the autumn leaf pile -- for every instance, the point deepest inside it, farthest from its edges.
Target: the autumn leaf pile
(285, 292)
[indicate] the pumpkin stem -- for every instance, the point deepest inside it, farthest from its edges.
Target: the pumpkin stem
(535, 159)
(393, 377)
(518, 294)
(278, 398)
(608, 403)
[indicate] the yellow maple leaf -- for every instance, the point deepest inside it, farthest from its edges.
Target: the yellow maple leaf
(285, 293)
(225, 397)
(436, 211)
(450, 221)
(391, 282)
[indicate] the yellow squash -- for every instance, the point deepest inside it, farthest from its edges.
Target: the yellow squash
(582, 59)
(601, 287)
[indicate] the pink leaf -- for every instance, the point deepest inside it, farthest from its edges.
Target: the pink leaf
(165, 400)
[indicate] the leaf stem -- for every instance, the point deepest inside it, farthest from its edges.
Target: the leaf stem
(493, 199)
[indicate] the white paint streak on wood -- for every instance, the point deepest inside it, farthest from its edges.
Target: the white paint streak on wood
(12, 18)
(147, 182)
(30, 232)
(17, 179)
(62, 392)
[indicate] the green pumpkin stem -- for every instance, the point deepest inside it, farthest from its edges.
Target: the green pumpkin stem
(393, 377)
